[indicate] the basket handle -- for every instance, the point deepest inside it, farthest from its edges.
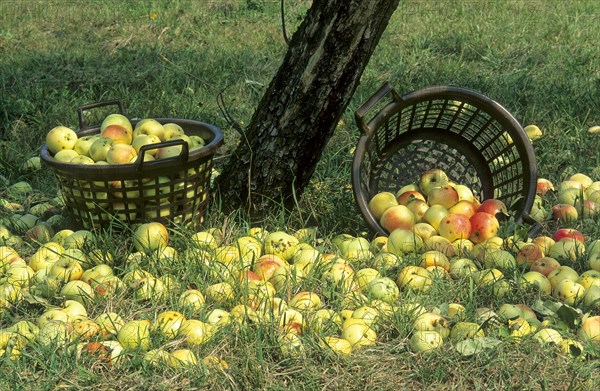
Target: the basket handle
(536, 227)
(183, 156)
(80, 109)
(363, 110)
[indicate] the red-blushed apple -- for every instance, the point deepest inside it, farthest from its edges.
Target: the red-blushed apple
(455, 226)
(435, 214)
(408, 196)
(418, 208)
(380, 203)
(120, 154)
(398, 216)
(60, 138)
(116, 119)
(528, 254)
(493, 206)
(483, 226)
(543, 186)
(568, 233)
(463, 207)
(150, 126)
(564, 213)
(118, 134)
(445, 196)
(432, 178)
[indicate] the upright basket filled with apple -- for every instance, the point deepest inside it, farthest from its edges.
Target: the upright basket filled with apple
(438, 153)
(133, 171)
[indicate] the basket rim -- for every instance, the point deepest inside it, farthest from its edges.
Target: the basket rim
(130, 168)
(451, 92)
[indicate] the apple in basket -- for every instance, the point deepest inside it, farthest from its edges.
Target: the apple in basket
(61, 138)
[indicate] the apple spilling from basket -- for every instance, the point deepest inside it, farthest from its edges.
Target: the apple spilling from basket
(118, 142)
(437, 205)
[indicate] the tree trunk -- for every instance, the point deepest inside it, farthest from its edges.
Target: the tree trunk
(301, 108)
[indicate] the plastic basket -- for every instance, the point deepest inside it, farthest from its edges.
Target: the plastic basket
(469, 136)
(173, 190)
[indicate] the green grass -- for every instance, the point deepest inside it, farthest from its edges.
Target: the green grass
(171, 59)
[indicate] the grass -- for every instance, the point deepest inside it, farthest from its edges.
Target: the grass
(172, 59)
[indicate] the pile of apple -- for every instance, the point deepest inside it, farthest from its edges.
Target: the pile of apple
(577, 197)
(118, 142)
(340, 295)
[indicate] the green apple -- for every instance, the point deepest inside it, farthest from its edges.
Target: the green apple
(414, 277)
(99, 148)
(359, 335)
(110, 323)
(464, 330)
(168, 323)
(425, 341)
(60, 138)
(79, 291)
(383, 288)
(337, 345)
(150, 237)
(54, 334)
(135, 335)
(195, 332)
(191, 300)
(150, 126)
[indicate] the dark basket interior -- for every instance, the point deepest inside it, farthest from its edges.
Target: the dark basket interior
(469, 136)
(173, 191)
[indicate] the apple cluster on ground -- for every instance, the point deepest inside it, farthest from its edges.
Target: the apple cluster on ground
(340, 295)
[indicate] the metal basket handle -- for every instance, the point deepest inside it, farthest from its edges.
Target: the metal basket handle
(363, 110)
(80, 109)
(183, 156)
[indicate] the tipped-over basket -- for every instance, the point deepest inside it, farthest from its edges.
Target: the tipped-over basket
(475, 140)
(172, 190)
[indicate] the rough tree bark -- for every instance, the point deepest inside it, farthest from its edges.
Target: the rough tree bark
(303, 103)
